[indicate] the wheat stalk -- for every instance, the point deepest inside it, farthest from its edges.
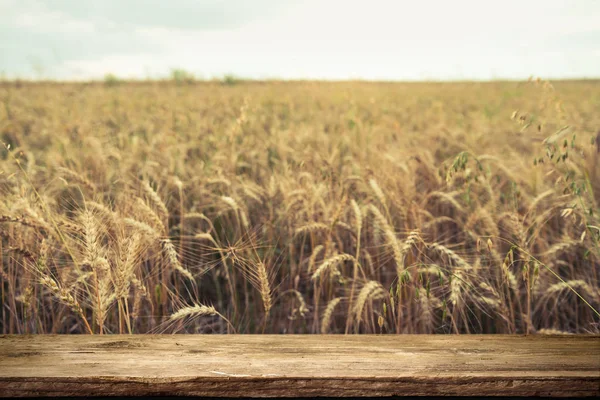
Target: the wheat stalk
(331, 263)
(163, 212)
(313, 258)
(371, 290)
(173, 258)
(326, 319)
(197, 310)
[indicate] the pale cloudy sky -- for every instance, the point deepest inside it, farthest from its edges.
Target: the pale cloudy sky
(295, 39)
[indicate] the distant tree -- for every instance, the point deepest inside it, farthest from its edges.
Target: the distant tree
(230, 80)
(111, 80)
(181, 76)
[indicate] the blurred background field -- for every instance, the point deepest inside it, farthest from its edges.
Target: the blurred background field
(299, 207)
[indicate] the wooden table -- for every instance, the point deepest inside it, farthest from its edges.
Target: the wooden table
(299, 365)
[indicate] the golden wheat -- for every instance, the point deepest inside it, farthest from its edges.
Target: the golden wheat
(281, 202)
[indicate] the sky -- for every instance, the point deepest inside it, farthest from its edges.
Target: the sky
(301, 39)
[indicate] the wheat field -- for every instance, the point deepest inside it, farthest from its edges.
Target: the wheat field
(300, 207)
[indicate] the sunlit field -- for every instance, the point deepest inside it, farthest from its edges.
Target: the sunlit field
(300, 207)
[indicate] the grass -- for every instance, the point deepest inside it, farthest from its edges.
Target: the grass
(300, 207)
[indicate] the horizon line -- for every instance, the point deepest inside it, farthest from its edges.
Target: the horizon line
(233, 79)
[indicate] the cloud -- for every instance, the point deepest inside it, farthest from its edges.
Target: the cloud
(333, 39)
(577, 40)
(180, 14)
(44, 50)
(56, 35)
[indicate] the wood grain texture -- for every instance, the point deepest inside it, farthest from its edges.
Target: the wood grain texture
(299, 366)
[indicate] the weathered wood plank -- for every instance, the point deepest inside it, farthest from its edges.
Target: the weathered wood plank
(299, 366)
